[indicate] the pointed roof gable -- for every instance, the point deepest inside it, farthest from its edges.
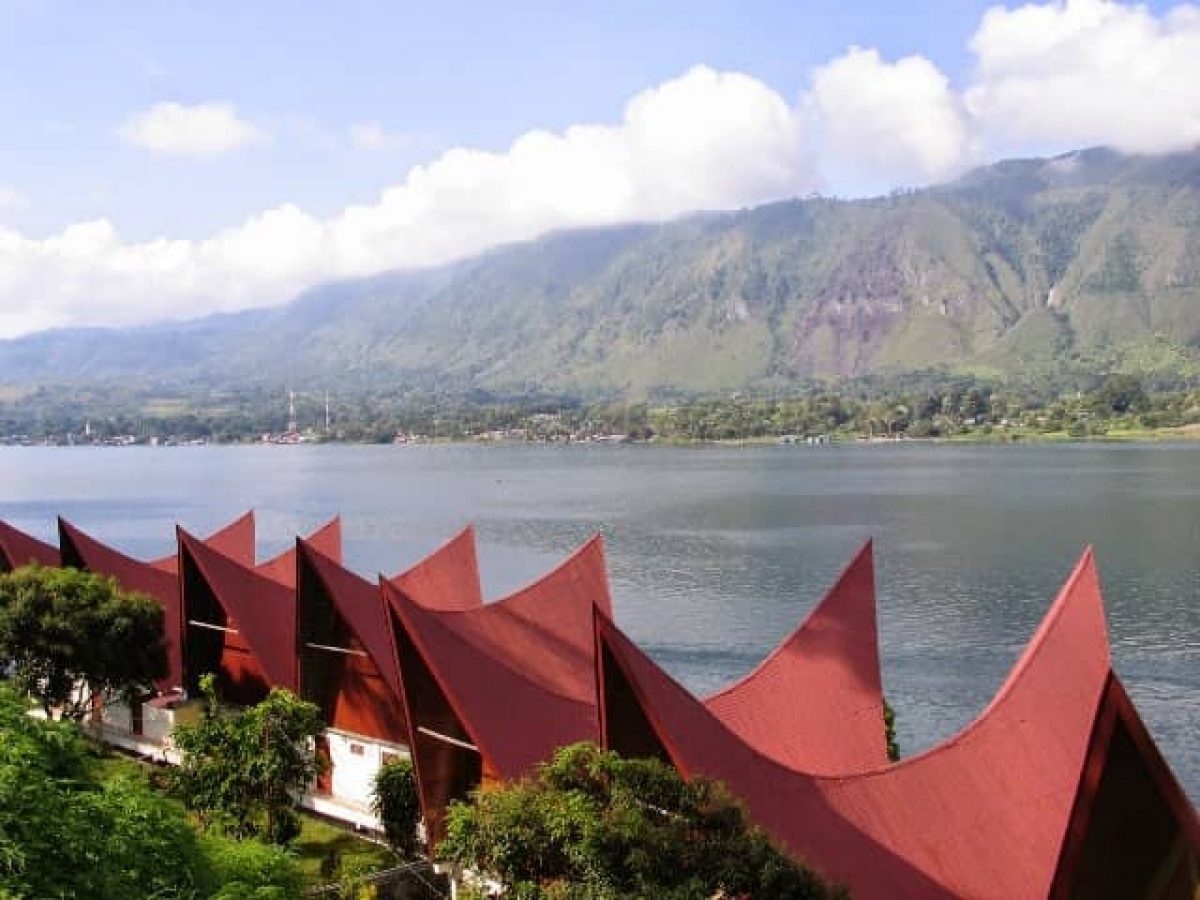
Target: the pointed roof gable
(519, 672)
(235, 540)
(19, 549)
(263, 609)
(362, 606)
(816, 703)
(981, 815)
(448, 578)
(1131, 825)
(154, 579)
(327, 540)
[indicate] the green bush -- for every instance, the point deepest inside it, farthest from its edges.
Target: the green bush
(395, 801)
(590, 824)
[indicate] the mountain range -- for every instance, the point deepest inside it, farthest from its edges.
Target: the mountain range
(1023, 269)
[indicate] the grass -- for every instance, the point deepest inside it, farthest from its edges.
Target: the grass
(321, 841)
(318, 848)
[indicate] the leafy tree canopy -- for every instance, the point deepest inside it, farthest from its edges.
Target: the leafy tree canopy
(592, 825)
(396, 803)
(64, 833)
(71, 637)
(243, 770)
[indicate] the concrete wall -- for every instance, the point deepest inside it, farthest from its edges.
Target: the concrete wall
(355, 761)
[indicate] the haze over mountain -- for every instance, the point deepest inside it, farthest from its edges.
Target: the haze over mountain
(1023, 268)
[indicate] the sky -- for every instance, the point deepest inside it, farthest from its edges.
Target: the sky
(164, 160)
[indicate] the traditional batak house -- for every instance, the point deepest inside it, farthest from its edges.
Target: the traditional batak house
(1056, 790)
(492, 691)
(816, 702)
(20, 549)
(145, 726)
(348, 664)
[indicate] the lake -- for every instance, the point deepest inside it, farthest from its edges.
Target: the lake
(715, 553)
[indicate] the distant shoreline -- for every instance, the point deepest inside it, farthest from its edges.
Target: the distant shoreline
(1179, 434)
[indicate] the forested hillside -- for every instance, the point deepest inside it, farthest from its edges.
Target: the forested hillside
(1031, 269)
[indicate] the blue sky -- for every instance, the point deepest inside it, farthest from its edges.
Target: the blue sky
(129, 124)
(477, 74)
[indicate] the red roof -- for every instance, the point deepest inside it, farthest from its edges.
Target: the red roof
(363, 608)
(816, 703)
(154, 579)
(18, 549)
(235, 540)
(448, 578)
(261, 609)
(518, 672)
(348, 662)
(327, 540)
(982, 815)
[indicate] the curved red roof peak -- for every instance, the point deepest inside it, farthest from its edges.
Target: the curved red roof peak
(586, 566)
(448, 578)
(282, 567)
(235, 540)
(361, 605)
(816, 702)
(506, 682)
(18, 549)
(263, 608)
(982, 814)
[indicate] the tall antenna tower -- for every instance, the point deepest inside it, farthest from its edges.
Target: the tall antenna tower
(291, 411)
(327, 412)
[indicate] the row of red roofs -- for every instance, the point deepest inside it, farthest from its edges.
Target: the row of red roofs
(1055, 789)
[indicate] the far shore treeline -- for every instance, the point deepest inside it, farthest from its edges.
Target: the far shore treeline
(1116, 406)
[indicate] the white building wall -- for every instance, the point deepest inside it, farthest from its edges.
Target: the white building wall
(356, 760)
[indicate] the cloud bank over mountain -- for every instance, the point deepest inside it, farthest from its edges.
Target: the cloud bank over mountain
(1045, 76)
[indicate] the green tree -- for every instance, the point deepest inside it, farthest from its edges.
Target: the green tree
(889, 731)
(64, 834)
(243, 770)
(590, 824)
(71, 639)
(395, 801)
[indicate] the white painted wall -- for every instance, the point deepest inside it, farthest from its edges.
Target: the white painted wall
(355, 761)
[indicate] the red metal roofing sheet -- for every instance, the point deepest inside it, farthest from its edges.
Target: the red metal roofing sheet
(362, 607)
(19, 549)
(263, 609)
(981, 815)
(816, 702)
(152, 578)
(448, 578)
(520, 671)
(327, 539)
(235, 540)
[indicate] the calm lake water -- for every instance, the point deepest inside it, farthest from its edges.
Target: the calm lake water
(717, 552)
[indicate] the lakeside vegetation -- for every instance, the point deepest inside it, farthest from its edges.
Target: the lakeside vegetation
(1117, 407)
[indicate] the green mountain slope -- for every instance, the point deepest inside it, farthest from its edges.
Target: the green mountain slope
(1026, 268)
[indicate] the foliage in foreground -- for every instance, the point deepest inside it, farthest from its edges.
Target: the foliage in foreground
(63, 833)
(62, 629)
(242, 771)
(395, 801)
(592, 825)
(889, 730)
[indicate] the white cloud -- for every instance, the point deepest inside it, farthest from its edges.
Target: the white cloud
(373, 136)
(205, 129)
(1089, 72)
(886, 123)
(705, 140)
(1063, 74)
